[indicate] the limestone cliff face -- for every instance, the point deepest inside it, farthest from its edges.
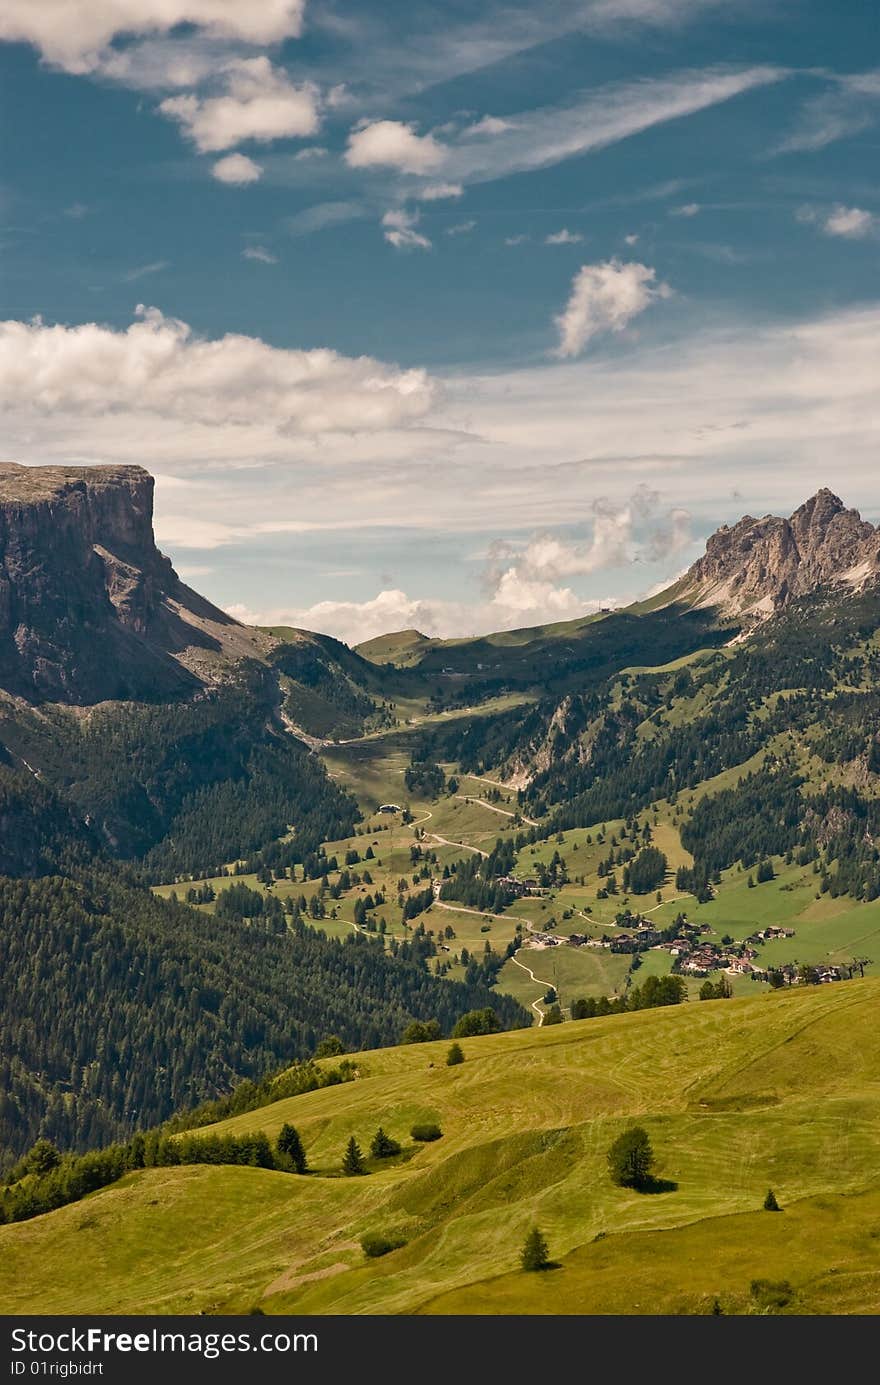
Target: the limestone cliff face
(89, 607)
(759, 565)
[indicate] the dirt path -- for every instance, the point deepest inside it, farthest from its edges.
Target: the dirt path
(493, 808)
(477, 913)
(444, 841)
(538, 982)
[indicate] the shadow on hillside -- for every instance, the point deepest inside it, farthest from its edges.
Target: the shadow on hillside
(657, 1185)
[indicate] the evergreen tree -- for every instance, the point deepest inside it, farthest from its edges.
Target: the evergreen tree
(770, 1203)
(454, 1056)
(290, 1146)
(535, 1255)
(631, 1158)
(382, 1146)
(353, 1159)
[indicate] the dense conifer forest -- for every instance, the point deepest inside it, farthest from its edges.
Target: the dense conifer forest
(116, 1008)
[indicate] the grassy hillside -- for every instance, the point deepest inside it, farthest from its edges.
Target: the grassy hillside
(779, 1090)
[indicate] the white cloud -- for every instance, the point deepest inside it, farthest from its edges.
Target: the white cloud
(851, 222)
(563, 237)
(314, 151)
(631, 239)
(769, 411)
(637, 529)
(259, 253)
(400, 230)
(392, 144)
(461, 229)
(688, 209)
(256, 102)
(850, 104)
(159, 366)
(435, 192)
(489, 125)
(522, 582)
(595, 119)
(237, 169)
(516, 603)
(141, 272)
(515, 240)
(323, 214)
(74, 33)
(605, 298)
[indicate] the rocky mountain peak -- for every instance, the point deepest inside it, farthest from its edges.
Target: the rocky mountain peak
(757, 566)
(89, 608)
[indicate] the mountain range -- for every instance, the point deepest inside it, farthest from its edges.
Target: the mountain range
(148, 739)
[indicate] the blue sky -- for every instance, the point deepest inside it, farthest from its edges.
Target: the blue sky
(455, 315)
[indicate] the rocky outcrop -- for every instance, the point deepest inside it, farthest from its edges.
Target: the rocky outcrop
(89, 608)
(759, 565)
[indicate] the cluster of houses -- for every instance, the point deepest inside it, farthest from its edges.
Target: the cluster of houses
(520, 888)
(694, 956)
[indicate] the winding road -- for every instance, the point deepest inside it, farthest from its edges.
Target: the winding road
(538, 982)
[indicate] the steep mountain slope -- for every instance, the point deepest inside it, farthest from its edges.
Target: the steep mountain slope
(140, 724)
(89, 607)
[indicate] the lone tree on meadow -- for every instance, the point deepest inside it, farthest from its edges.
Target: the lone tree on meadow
(454, 1056)
(383, 1147)
(291, 1146)
(770, 1203)
(631, 1158)
(534, 1254)
(352, 1159)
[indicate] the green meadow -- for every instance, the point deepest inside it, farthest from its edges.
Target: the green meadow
(776, 1090)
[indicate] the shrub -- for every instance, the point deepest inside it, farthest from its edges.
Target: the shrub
(426, 1132)
(418, 1032)
(374, 1244)
(769, 1294)
(454, 1056)
(43, 1158)
(477, 1022)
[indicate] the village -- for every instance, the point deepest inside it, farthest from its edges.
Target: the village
(692, 953)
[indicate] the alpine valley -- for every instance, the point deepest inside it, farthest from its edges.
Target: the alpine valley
(491, 899)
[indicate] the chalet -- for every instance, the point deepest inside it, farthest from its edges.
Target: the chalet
(739, 966)
(695, 967)
(826, 974)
